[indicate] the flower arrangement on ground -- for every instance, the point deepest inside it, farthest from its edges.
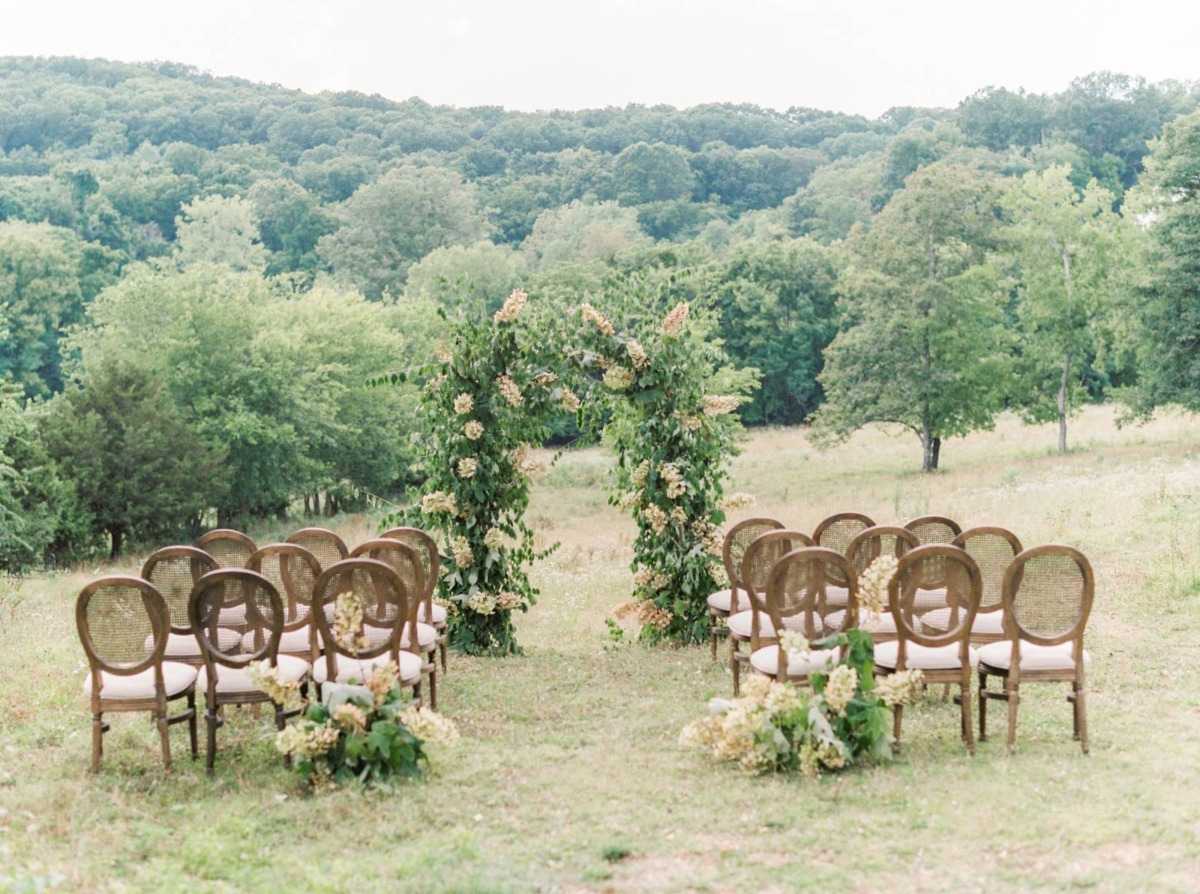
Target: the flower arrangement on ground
(368, 733)
(844, 719)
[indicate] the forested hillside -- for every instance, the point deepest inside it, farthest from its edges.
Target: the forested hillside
(218, 266)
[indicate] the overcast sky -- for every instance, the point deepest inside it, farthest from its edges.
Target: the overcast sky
(859, 56)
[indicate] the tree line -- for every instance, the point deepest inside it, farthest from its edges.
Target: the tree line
(198, 274)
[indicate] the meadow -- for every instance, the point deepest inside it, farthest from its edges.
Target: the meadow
(569, 777)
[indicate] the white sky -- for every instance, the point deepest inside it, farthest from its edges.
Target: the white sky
(854, 55)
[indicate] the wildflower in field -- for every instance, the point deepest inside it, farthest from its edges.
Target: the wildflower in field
(673, 476)
(460, 548)
(656, 518)
(639, 476)
(678, 515)
(285, 693)
(900, 688)
(384, 680)
(596, 318)
(512, 307)
(643, 577)
(720, 404)
(467, 467)
(832, 755)
(507, 601)
(840, 688)
(464, 403)
(794, 642)
(429, 726)
(546, 378)
(350, 718)
(473, 430)
(482, 603)
(629, 500)
(509, 390)
(737, 502)
(691, 423)
(618, 378)
(494, 538)
(439, 501)
(570, 402)
(675, 318)
(637, 354)
(307, 740)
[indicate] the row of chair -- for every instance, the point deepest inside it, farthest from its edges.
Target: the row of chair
(1026, 609)
(188, 624)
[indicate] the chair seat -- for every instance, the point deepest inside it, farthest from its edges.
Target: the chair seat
(359, 669)
(836, 596)
(232, 680)
(720, 600)
(426, 637)
(185, 645)
(989, 624)
(929, 600)
(293, 642)
(918, 657)
(177, 677)
(740, 624)
(438, 615)
(766, 661)
(1033, 657)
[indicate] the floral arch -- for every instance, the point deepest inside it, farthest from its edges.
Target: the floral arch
(652, 379)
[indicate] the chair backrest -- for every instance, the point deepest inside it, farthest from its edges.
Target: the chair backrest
(837, 531)
(293, 571)
(963, 586)
(934, 529)
(993, 550)
(327, 546)
(115, 616)
(401, 558)
(174, 570)
(360, 607)
(760, 557)
(427, 551)
(231, 549)
(236, 598)
(1047, 596)
(733, 550)
(796, 597)
(880, 540)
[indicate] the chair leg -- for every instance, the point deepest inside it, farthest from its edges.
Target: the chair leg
(712, 635)
(433, 687)
(982, 707)
(210, 758)
(1081, 713)
(897, 717)
(967, 725)
(280, 723)
(164, 733)
(1071, 697)
(1013, 700)
(734, 666)
(97, 741)
(442, 653)
(192, 736)
(417, 694)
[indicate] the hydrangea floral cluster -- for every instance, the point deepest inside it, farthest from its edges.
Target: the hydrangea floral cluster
(775, 727)
(364, 732)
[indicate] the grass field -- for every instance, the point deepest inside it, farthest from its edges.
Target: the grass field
(569, 777)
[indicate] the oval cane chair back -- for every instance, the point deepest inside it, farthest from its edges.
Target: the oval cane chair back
(239, 597)
(293, 571)
(762, 554)
(360, 607)
(115, 617)
(796, 597)
(231, 549)
(733, 552)
(327, 546)
(963, 587)
(401, 558)
(880, 540)
(427, 551)
(993, 550)
(934, 529)
(1048, 593)
(174, 571)
(837, 533)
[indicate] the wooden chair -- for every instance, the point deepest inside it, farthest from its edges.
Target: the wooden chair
(225, 677)
(796, 600)
(387, 605)
(865, 548)
(934, 529)
(231, 549)
(993, 550)
(837, 531)
(293, 571)
(724, 603)
(750, 624)
(428, 612)
(174, 571)
(1047, 597)
(115, 616)
(407, 563)
(327, 546)
(942, 656)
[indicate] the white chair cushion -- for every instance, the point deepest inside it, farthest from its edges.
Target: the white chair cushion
(766, 661)
(438, 614)
(359, 669)
(739, 624)
(426, 637)
(1033, 657)
(929, 600)
(835, 595)
(185, 645)
(989, 624)
(237, 679)
(294, 641)
(918, 657)
(177, 677)
(887, 624)
(720, 600)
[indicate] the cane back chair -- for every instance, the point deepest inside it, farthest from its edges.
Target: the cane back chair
(115, 617)
(231, 549)
(1047, 597)
(327, 546)
(724, 603)
(173, 571)
(796, 599)
(944, 655)
(293, 571)
(869, 545)
(993, 550)
(428, 612)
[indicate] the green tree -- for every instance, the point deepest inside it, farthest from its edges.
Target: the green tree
(1064, 246)
(395, 221)
(217, 230)
(143, 472)
(583, 232)
(652, 173)
(924, 346)
(491, 271)
(291, 222)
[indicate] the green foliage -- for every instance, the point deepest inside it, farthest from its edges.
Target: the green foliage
(216, 230)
